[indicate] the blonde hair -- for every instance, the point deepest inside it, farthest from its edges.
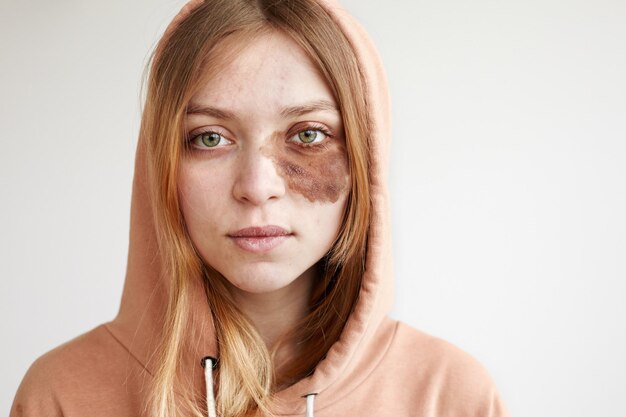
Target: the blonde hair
(185, 58)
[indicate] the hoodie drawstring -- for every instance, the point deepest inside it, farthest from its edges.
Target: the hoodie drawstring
(210, 396)
(309, 404)
(208, 379)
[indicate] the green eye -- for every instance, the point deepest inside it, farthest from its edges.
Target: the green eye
(307, 136)
(312, 134)
(210, 139)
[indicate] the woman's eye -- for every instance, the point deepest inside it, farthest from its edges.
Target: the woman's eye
(309, 136)
(209, 140)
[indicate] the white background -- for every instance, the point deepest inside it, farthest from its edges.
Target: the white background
(508, 181)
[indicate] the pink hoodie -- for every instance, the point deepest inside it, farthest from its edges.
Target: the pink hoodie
(378, 367)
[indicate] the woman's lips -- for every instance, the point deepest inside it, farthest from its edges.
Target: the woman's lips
(259, 239)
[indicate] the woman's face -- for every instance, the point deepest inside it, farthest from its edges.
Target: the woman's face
(265, 179)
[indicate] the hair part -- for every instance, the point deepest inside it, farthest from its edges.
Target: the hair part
(184, 60)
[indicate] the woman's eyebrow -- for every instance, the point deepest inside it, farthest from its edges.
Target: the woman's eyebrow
(291, 111)
(310, 107)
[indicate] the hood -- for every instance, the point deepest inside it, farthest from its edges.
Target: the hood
(360, 347)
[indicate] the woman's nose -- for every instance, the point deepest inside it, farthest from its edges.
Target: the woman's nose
(257, 179)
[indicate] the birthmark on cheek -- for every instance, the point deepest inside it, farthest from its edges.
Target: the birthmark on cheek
(319, 173)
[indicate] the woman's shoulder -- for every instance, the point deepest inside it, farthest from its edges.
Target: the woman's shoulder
(441, 375)
(77, 377)
(434, 353)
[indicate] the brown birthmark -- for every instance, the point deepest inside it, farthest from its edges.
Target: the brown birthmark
(318, 172)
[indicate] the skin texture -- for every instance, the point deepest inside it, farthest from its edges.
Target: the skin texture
(255, 169)
(319, 173)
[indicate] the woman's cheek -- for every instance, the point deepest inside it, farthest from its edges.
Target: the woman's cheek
(320, 175)
(196, 188)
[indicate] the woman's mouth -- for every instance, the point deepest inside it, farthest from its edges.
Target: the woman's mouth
(259, 239)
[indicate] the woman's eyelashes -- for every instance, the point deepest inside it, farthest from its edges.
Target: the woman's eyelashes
(311, 135)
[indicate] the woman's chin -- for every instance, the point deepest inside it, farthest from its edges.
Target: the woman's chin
(265, 280)
(259, 286)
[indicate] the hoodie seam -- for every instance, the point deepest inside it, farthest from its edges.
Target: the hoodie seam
(130, 353)
(366, 377)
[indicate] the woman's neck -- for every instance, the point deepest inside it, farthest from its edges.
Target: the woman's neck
(277, 312)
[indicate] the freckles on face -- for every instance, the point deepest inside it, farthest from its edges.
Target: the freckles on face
(319, 173)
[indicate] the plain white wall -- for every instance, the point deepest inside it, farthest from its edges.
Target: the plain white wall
(508, 181)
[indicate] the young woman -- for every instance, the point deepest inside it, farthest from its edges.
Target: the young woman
(259, 271)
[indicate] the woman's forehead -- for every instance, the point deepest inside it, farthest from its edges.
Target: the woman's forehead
(271, 73)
